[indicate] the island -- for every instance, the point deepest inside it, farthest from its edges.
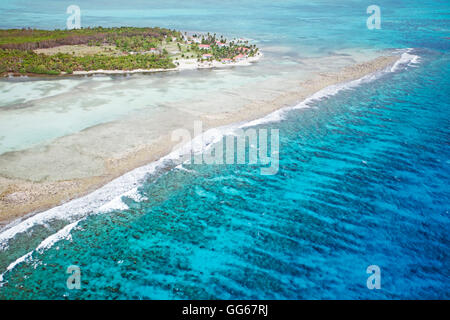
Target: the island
(116, 50)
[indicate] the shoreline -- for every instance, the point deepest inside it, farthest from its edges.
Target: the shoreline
(184, 64)
(21, 199)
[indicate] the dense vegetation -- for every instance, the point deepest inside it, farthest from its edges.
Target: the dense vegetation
(29, 39)
(125, 48)
(23, 62)
(228, 51)
(16, 55)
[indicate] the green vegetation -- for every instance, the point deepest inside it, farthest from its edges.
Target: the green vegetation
(32, 39)
(136, 43)
(220, 49)
(23, 62)
(134, 48)
(17, 55)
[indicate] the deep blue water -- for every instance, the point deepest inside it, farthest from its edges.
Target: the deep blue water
(363, 180)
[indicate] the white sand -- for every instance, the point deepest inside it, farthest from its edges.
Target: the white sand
(183, 64)
(41, 177)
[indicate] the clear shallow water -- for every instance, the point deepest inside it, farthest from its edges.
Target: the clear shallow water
(363, 180)
(287, 31)
(49, 109)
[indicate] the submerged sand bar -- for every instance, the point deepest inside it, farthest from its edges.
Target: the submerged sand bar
(44, 176)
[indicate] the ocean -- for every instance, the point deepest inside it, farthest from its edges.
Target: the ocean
(363, 168)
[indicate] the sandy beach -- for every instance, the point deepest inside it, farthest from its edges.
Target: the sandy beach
(215, 150)
(41, 177)
(183, 64)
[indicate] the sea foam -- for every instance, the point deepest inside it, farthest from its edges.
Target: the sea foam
(406, 59)
(109, 197)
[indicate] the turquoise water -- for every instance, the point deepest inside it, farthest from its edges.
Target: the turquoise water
(363, 176)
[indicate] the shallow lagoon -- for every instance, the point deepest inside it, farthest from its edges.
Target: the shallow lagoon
(363, 176)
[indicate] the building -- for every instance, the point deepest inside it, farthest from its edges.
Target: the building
(239, 57)
(204, 46)
(207, 56)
